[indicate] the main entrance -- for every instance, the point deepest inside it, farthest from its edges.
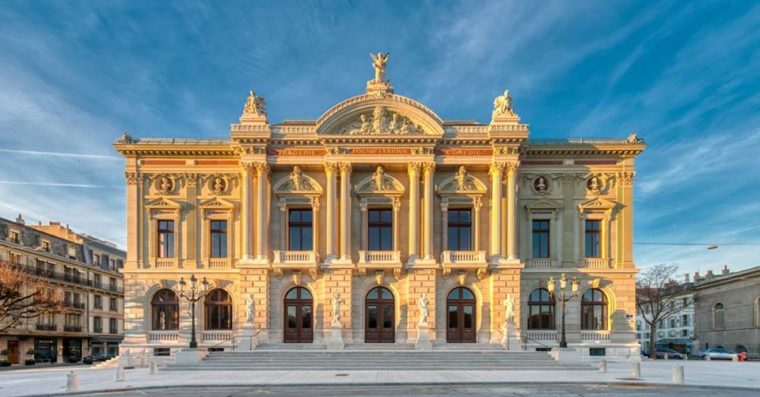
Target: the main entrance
(460, 316)
(298, 316)
(380, 321)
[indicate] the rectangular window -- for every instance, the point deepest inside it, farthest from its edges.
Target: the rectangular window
(96, 259)
(592, 239)
(112, 284)
(300, 230)
(380, 229)
(166, 239)
(98, 281)
(460, 229)
(685, 320)
(97, 324)
(14, 236)
(98, 302)
(112, 306)
(46, 246)
(218, 239)
(112, 327)
(541, 238)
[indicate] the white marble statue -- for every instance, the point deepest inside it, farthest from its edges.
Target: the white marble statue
(336, 309)
(249, 309)
(423, 304)
(502, 105)
(509, 306)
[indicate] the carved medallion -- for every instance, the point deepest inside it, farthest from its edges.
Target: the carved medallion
(541, 184)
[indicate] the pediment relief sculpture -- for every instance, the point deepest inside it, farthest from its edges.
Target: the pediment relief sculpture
(597, 203)
(381, 183)
(297, 182)
(462, 182)
(381, 121)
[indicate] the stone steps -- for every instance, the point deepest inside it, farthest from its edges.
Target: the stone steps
(367, 359)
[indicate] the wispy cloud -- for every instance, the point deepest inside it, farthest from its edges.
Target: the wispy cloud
(60, 154)
(56, 184)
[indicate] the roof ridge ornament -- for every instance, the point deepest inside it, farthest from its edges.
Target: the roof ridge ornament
(379, 85)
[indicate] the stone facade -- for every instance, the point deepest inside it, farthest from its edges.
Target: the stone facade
(727, 309)
(374, 151)
(84, 270)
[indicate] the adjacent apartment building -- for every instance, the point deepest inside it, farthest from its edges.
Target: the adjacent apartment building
(677, 330)
(86, 271)
(385, 222)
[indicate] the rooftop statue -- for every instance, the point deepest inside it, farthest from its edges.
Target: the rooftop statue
(379, 61)
(502, 105)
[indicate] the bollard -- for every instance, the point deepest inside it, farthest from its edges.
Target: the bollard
(602, 366)
(666, 356)
(72, 382)
(707, 357)
(120, 374)
(153, 368)
(735, 358)
(635, 370)
(678, 374)
(685, 356)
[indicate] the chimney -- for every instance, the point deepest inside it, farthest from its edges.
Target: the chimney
(686, 278)
(725, 270)
(55, 223)
(697, 277)
(20, 220)
(710, 274)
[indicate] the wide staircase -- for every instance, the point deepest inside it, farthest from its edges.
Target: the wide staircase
(368, 357)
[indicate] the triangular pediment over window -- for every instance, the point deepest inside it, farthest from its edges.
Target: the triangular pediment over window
(216, 203)
(543, 205)
(163, 203)
(597, 203)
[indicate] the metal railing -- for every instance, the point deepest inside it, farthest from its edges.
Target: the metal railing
(46, 327)
(75, 305)
(72, 328)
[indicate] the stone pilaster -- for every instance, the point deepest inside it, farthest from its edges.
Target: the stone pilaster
(262, 210)
(414, 211)
(495, 171)
(345, 211)
(427, 223)
(331, 224)
(512, 211)
(134, 211)
(246, 215)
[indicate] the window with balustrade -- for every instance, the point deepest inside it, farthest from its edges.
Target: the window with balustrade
(459, 229)
(218, 310)
(593, 239)
(165, 239)
(541, 309)
(594, 310)
(300, 229)
(380, 229)
(165, 308)
(218, 239)
(540, 239)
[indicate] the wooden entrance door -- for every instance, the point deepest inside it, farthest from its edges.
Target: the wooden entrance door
(299, 317)
(380, 313)
(13, 351)
(460, 316)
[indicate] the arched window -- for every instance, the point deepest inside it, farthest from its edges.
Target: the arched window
(718, 316)
(218, 310)
(540, 310)
(594, 310)
(165, 308)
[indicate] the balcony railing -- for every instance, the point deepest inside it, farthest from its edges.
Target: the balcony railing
(46, 327)
(380, 258)
(113, 331)
(540, 263)
(303, 258)
(97, 330)
(74, 305)
(597, 263)
(69, 278)
(217, 263)
(463, 257)
(72, 328)
(169, 336)
(164, 263)
(592, 336)
(216, 335)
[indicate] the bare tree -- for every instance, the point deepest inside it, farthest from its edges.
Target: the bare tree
(22, 297)
(656, 292)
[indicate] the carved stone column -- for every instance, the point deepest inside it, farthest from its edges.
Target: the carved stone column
(496, 172)
(345, 211)
(247, 211)
(331, 229)
(414, 211)
(193, 233)
(315, 225)
(134, 209)
(396, 210)
(511, 211)
(427, 231)
(262, 169)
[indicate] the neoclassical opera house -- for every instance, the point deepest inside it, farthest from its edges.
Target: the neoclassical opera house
(380, 222)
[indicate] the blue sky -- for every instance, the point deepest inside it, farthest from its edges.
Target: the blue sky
(74, 75)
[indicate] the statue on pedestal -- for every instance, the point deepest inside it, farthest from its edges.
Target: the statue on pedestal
(423, 304)
(249, 309)
(379, 61)
(509, 306)
(336, 310)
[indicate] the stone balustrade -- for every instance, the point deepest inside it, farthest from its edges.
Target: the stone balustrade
(170, 336)
(306, 258)
(380, 257)
(218, 263)
(539, 263)
(591, 336)
(596, 263)
(463, 257)
(165, 263)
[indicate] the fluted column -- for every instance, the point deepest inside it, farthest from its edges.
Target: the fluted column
(427, 231)
(414, 211)
(262, 169)
(345, 211)
(511, 211)
(247, 211)
(331, 229)
(496, 172)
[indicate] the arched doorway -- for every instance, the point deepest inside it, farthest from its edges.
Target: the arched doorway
(298, 316)
(379, 325)
(460, 316)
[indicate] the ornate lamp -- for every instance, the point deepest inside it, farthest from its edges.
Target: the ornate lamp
(193, 298)
(563, 296)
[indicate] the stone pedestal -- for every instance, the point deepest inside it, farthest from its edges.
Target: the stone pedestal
(248, 340)
(510, 339)
(190, 356)
(336, 338)
(423, 338)
(566, 355)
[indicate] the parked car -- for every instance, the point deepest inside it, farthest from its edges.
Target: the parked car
(95, 358)
(717, 354)
(660, 353)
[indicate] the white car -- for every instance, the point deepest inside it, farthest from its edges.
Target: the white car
(717, 354)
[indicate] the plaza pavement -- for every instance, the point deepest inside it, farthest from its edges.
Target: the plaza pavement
(53, 380)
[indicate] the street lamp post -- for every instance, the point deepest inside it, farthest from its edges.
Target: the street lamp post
(563, 295)
(192, 298)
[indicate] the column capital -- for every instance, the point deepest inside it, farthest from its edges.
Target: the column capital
(626, 178)
(248, 166)
(497, 169)
(261, 168)
(413, 168)
(132, 177)
(331, 168)
(314, 200)
(511, 167)
(345, 168)
(192, 179)
(428, 167)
